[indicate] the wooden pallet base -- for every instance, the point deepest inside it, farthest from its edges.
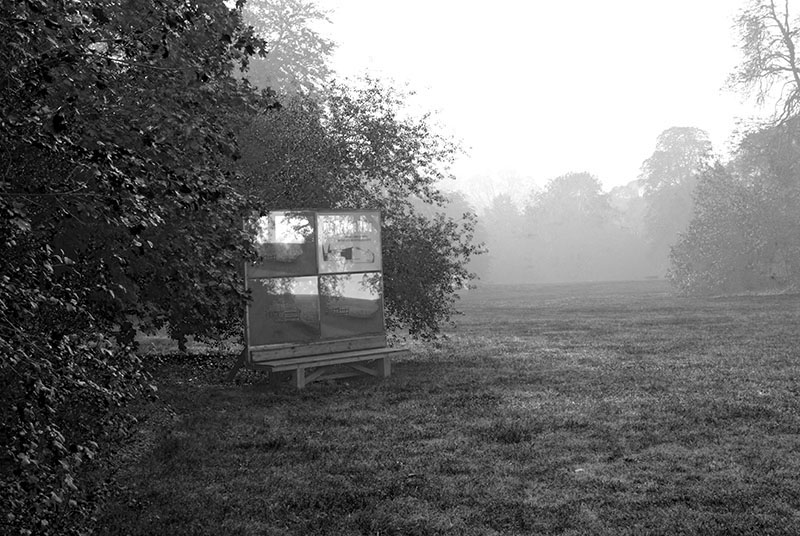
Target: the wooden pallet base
(307, 369)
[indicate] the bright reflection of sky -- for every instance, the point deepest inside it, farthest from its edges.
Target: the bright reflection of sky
(281, 228)
(539, 89)
(291, 285)
(355, 286)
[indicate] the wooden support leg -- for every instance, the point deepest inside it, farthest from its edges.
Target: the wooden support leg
(299, 377)
(385, 365)
(239, 363)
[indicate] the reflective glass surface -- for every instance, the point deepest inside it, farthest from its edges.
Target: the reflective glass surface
(285, 245)
(351, 305)
(349, 242)
(284, 309)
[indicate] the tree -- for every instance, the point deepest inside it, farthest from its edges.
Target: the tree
(506, 237)
(768, 35)
(350, 147)
(297, 54)
(716, 253)
(456, 207)
(573, 232)
(745, 235)
(630, 207)
(745, 232)
(130, 157)
(669, 177)
(117, 131)
(566, 219)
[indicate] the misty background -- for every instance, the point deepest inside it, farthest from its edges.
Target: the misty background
(572, 229)
(599, 142)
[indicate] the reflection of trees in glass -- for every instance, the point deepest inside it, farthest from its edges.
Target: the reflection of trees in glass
(277, 286)
(348, 227)
(279, 236)
(281, 286)
(299, 225)
(351, 286)
(291, 298)
(284, 228)
(331, 286)
(351, 295)
(371, 283)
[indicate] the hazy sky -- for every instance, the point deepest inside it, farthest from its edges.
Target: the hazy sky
(540, 88)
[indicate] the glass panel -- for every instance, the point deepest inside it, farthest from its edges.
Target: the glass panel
(351, 305)
(349, 242)
(284, 309)
(285, 244)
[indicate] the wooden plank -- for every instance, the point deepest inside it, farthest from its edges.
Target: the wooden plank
(242, 360)
(266, 353)
(299, 377)
(376, 352)
(365, 370)
(326, 375)
(326, 363)
(322, 365)
(386, 366)
(315, 375)
(333, 359)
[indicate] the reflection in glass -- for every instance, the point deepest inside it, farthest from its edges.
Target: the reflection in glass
(284, 309)
(285, 245)
(351, 305)
(349, 242)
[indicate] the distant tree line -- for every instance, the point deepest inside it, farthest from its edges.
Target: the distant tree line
(745, 233)
(571, 230)
(709, 225)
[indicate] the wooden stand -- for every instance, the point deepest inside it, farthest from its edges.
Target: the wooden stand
(317, 297)
(306, 369)
(375, 362)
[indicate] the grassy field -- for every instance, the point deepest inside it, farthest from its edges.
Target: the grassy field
(609, 409)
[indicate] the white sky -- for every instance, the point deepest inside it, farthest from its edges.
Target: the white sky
(536, 89)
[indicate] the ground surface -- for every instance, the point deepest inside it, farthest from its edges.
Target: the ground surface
(577, 409)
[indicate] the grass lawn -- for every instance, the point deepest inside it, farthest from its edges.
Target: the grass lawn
(613, 408)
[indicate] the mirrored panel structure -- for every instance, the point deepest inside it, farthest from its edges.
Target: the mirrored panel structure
(349, 242)
(318, 283)
(285, 242)
(283, 310)
(351, 305)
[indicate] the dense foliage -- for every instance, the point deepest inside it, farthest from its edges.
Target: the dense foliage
(571, 230)
(669, 177)
(117, 210)
(132, 150)
(352, 149)
(745, 235)
(297, 54)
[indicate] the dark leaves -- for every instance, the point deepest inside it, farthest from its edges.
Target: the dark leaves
(100, 16)
(101, 129)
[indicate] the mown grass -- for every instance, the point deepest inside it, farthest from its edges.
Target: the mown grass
(577, 409)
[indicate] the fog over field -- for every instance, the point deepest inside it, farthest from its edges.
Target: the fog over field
(706, 224)
(593, 140)
(536, 264)
(573, 230)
